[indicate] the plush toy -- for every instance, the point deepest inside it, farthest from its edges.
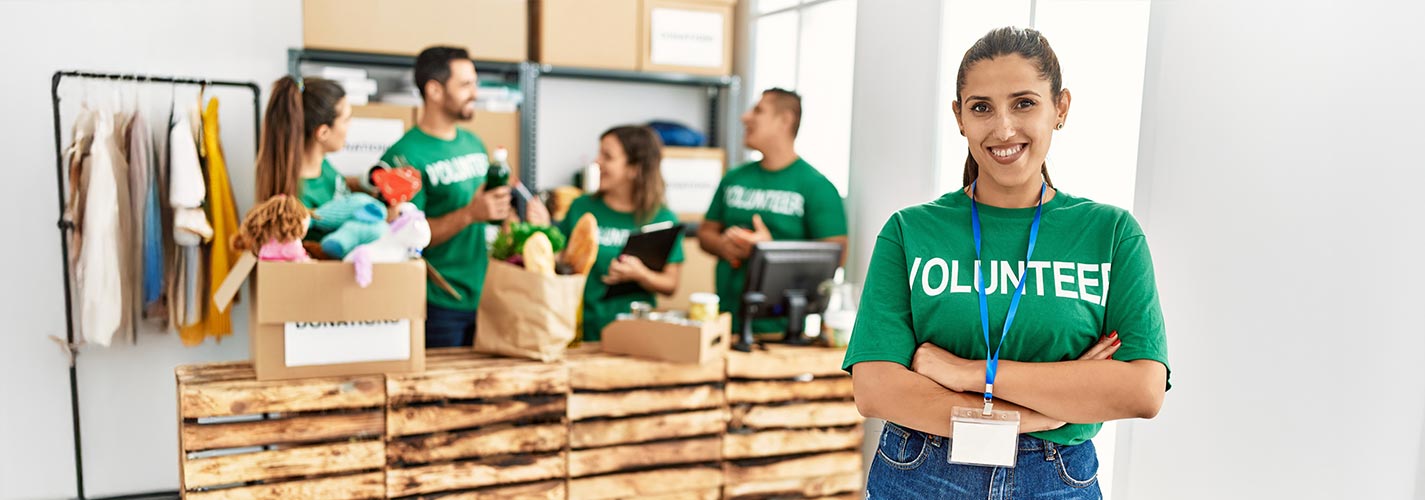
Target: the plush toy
(397, 185)
(278, 225)
(355, 219)
(408, 235)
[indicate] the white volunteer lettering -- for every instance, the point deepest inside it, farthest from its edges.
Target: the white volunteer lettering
(458, 169)
(611, 237)
(914, 268)
(955, 286)
(1038, 266)
(1085, 282)
(1103, 275)
(944, 277)
(765, 200)
(1060, 280)
(1070, 280)
(1007, 275)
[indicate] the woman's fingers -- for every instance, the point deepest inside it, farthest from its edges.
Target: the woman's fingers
(1104, 348)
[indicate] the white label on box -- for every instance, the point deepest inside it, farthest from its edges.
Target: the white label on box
(366, 140)
(686, 38)
(329, 343)
(691, 183)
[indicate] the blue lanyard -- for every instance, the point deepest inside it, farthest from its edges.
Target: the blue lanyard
(992, 358)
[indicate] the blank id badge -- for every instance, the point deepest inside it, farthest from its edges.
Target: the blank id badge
(988, 440)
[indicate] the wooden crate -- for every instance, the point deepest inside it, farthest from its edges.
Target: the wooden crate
(794, 430)
(644, 429)
(313, 438)
(475, 426)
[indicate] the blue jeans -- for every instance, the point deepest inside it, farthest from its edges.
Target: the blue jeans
(449, 327)
(911, 464)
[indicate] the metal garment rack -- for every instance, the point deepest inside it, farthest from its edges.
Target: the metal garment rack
(65, 227)
(722, 91)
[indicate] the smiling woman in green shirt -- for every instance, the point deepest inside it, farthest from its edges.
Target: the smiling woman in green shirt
(630, 198)
(1087, 342)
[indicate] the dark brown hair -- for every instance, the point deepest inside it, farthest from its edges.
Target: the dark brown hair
(643, 151)
(296, 109)
(433, 64)
(789, 101)
(1024, 42)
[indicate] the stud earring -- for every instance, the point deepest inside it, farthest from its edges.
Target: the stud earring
(1060, 126)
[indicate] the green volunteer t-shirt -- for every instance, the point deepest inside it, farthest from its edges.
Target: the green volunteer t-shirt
(451, 173)
(796, 203)
(614, 229)
(1091, 274)
(318, 190)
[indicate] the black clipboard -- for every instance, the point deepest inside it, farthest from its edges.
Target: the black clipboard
(653, 248)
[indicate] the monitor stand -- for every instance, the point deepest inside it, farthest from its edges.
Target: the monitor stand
(753, 304)
(796, 318)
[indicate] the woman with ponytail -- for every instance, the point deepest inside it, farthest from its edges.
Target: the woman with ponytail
(306, 120)
(988, 339)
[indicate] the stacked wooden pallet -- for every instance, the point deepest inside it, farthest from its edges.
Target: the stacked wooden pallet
(474, 426)
(314, 438)
(794, 430)
(644, 429)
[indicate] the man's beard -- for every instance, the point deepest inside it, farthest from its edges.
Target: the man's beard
(462, 112)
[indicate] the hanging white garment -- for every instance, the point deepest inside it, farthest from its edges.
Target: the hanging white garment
(101, 290)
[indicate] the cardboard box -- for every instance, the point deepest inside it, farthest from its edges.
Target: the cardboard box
(698, 274)
(492, 30)
(687, 36)
(311, 319)
(601, 34)
(373, 129)
(669, 342)
(691, 176)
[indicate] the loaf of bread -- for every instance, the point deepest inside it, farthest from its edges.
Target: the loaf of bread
(539, 254)
(583, 247)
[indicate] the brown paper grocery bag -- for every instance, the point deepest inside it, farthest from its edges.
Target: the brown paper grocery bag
(525, 314)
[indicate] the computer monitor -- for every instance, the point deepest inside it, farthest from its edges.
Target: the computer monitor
(784, 280)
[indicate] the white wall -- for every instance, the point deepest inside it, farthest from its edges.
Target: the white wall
(1279, 187)
(893, 167)
(128, 402)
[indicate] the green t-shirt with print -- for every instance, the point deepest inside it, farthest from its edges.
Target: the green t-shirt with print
(1091, 274)
(451, 173)
(614, 229)
(318, 190)
(796, 203)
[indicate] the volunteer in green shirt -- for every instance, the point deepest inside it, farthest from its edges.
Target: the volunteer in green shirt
(1087, 342)
(306, 120)
(780, 197)
(452, 162)
(630, 198)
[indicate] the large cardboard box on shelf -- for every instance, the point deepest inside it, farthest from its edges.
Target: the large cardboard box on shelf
(311, 319)
(600, 34)
(492, 30)
(691, 176)
(687, 36)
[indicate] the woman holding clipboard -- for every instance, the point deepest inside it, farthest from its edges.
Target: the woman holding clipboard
(630, 198)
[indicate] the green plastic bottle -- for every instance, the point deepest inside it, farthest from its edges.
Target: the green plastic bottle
(498, 175)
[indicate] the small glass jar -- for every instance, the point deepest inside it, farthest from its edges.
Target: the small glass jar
(703, 307)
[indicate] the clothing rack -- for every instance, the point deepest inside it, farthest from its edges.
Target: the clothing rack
(66, 226)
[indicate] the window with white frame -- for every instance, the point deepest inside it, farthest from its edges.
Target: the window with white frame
(809, 46)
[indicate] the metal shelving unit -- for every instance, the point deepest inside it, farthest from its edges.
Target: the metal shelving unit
(722, 93)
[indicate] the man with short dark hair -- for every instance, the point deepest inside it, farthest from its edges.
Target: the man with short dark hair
(453, 163)
(781, 197)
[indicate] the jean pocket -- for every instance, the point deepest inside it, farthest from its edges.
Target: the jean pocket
(903, 448)
(1078, 465)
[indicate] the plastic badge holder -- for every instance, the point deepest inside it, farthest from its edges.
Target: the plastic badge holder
(978, 439)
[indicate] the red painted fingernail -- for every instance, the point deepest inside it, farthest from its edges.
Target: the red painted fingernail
(1114, 334)
(1117, 341)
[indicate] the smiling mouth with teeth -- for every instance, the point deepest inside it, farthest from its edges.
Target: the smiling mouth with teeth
(1006, 152)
